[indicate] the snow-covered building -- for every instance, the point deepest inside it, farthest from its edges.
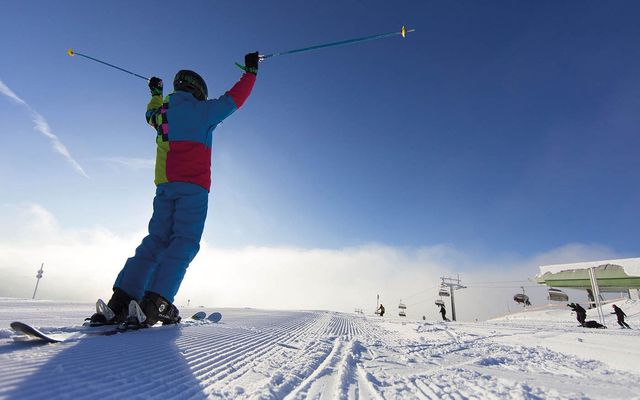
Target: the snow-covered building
(612, 275)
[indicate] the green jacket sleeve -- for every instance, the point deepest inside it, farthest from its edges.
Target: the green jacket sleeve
(153, 111)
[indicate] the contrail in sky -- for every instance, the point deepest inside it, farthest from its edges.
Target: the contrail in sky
(43, 127)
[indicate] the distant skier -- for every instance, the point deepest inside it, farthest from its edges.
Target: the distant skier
(380, 310)
(443, 312)
(184, 122)
(581, 313)
(594, 324)
(620, 314)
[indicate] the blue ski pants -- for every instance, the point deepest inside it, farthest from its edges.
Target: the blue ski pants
(175, 229)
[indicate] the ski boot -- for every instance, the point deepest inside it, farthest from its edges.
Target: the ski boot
(152, 309)
(158, 309)
(112, 313)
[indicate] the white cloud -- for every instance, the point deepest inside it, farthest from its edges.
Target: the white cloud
(43, 127)
(4, 89)
(82, 265)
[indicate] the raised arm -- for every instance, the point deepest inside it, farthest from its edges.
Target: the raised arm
(155, 104)
(242, 89)
(234, 98)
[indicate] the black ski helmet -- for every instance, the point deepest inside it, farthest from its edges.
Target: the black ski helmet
(189, 81)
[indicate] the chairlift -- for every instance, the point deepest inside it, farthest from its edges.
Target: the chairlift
(444, 292)
(402, 307)
(440, 302)
(522, 298)
(558, 295)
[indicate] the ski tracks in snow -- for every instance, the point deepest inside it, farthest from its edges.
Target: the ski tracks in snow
(306, 354)
(340, 356)
(316, 359)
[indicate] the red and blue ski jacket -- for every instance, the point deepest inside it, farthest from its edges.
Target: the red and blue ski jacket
(184, 127)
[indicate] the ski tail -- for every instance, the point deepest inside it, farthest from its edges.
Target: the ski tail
(199, 316)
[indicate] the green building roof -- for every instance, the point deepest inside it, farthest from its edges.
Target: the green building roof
(612, 275)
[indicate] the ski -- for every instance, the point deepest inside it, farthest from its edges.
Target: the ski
(214, 317)
(31, 334)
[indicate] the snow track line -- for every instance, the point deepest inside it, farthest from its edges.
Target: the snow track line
(427, 390)
(348, 372)
(341, 325)
(332, 368)
(366, 388)
(231, 336)
(325, 366)
(452, 334)
(242, 356)
(241, 350)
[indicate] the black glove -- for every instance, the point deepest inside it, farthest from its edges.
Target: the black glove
(251, 61)
(155, 85)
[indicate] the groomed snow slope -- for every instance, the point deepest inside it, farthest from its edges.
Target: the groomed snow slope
(318, 354)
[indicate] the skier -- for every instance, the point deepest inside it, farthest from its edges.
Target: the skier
(184, 122)
(380, 310)
(620, 314)
(443, 312)
(581, 313)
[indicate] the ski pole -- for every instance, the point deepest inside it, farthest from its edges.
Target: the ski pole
(72, 53)
(403, 32)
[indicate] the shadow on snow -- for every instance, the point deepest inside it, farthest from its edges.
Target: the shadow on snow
(135, 364)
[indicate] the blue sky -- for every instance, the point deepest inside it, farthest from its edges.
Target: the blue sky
(497, 127)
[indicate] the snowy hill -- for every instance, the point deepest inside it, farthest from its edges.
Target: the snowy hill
(319, 354)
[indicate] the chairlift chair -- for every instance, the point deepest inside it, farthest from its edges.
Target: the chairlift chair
(557, 295)
(402, 307)
(522, 298)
